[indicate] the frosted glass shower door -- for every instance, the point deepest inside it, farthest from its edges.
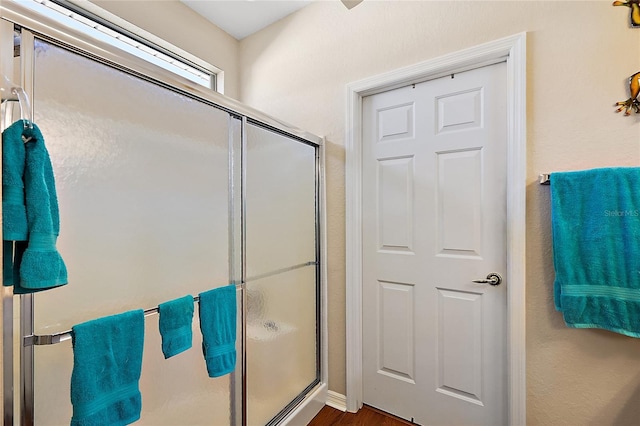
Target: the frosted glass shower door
(142, 177)
(281, 273)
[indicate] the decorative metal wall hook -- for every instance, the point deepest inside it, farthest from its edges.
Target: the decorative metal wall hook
(634, 90)
(634, 81)
(634, 15)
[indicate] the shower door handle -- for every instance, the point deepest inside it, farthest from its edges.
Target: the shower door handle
(493, 278)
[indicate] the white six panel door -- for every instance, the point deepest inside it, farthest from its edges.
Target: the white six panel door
(434, 203)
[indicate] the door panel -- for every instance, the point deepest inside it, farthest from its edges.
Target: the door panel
(280, 201)
(395, 211)
(459, 111)
(459, 202)
(142, 177)
(282, 309)
(434, 193)
(281, 341)
(395, 122)
(397, 339)
(460, 344)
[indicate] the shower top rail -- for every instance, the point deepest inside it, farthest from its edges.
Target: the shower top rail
(53, 339)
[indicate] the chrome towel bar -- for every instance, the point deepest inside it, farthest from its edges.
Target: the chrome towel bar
(52, 339)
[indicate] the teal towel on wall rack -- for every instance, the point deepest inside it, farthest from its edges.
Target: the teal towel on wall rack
(595, 219)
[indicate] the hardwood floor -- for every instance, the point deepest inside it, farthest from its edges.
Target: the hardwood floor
(367, 416)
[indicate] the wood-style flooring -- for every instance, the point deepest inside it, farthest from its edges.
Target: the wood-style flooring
(367, 416)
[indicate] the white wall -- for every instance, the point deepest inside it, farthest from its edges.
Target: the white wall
(580, 55)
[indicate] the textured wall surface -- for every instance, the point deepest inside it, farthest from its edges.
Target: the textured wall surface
(579, 57)
(176, 23)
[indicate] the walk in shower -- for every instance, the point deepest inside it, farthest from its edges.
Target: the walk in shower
(166, 190)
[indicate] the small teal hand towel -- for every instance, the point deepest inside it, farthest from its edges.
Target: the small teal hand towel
(595, 220)
(176, 319)
(107, 362)
(218, 326)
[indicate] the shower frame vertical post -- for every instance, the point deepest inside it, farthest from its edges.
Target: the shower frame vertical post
(6, 50)
(243, 232)
(27, 58)
(236, 249)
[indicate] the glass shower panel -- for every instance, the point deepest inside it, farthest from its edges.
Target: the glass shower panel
(281, 341)
(282, 304)
(142, 177)
(280, 202)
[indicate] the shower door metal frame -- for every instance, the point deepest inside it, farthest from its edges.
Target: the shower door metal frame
(33, 25)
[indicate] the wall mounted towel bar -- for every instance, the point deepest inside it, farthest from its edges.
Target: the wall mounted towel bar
(544, 179)
(52, 339)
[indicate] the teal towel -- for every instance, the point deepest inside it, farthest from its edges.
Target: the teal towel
(218, 326)
(176, 318)
(595, 220)
(12, 258)
(30, 213)
(14, 213)
(107, 362)
(42, 266)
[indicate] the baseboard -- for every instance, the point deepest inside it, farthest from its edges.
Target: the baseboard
(336, 400)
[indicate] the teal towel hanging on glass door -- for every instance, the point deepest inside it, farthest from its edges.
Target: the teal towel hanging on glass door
(30, 212)
(218, 326)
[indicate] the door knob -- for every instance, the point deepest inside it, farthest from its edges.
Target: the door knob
(493, 278)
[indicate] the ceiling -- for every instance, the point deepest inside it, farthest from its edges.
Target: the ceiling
(241, 18)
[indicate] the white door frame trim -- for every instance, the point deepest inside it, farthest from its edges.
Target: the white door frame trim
(513, 50)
